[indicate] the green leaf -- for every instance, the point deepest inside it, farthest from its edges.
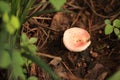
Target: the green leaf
(116, 23)
(24, 37)
(32, 78)
(17, 72)
(118, 36)
(4, 7)
(9, 28)
(116, 31)
(57, 3)
(108, 29)
(28, 43)
(12, 25)
(32, 48)
(24, 40)
(16, 65)
(4, 59)
(17, 58)
(32, 40)
(15, 22)
(5, 18)
(107, 21)
(116, 76)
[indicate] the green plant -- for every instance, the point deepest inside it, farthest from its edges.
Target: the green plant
(115, 76)
(16, 47)
(110, 28)
(114, 27)
(57, 4)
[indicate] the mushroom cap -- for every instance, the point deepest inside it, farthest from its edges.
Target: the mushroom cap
(76, 39)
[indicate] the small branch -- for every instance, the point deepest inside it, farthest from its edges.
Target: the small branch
(48, 55)
(92, 8)
(95, 27)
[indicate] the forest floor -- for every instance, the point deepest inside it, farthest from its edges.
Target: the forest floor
(98, 62)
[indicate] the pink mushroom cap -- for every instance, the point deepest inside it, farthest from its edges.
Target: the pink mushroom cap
(76, 39)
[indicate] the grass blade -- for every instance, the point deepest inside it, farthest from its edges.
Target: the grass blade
(14, 6)
(25, 7)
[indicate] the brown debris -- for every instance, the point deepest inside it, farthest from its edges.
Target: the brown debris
(101, 59)
(93, 74)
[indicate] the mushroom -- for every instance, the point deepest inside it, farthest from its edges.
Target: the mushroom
(76, 39)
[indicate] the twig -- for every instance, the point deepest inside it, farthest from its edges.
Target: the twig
(74, 6)
(67, 68)
(42, 18)
(43, 26)
(41, 6)
(92, 8)
(93, 28)
(55, 60)
(45, 40)
(47, 55)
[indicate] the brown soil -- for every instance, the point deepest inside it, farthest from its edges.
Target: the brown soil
(98, 62)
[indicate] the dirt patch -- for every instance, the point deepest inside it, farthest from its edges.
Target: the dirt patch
(98, 62)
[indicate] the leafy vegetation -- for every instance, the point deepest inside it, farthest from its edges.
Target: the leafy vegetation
(57, 4)
(114, 27)
(116, 76)
(109, 29)
(15, 49)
